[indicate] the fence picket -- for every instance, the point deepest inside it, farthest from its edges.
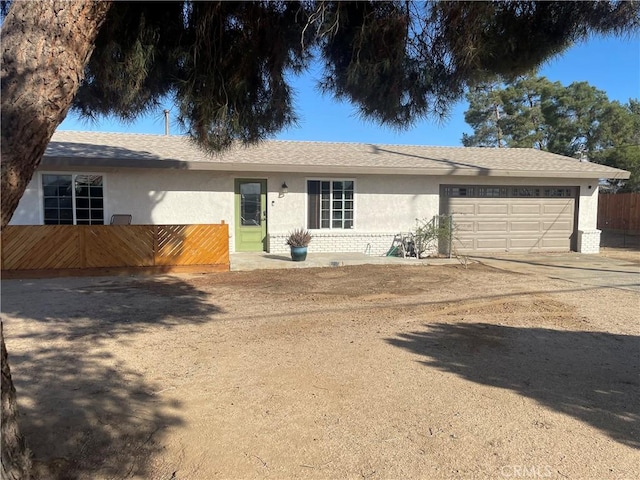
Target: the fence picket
(62, 247)
(619, 211)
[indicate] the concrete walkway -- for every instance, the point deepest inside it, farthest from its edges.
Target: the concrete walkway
(593, 270)
(257, 261)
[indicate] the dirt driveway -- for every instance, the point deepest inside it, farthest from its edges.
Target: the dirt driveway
(367, 371)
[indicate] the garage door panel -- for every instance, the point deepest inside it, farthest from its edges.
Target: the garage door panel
(463, 226)
(464, 209)
(553, 243)
(492, 209)
(463, 244)
(512, 224)
(487, 226)
(556, 209)
(493, 244)
(523, 243)
(530, 226)
(524, 209)
(557, 226)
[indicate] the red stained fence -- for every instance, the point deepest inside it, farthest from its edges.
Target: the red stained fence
(619, 211)
(43, 250)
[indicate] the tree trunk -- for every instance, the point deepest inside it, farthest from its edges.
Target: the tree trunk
(45, 48)
(16, 462)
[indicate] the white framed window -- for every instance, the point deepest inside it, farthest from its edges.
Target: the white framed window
(72, 199)
(330, 204)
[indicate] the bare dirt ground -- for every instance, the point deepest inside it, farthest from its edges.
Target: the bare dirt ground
(353, 372)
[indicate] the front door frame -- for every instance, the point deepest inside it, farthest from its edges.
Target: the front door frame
(244, 234)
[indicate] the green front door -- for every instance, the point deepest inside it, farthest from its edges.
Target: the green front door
(251, 215)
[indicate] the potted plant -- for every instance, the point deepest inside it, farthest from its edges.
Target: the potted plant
(299, 241)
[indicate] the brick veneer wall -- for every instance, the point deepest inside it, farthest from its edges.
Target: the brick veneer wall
(329, 242)
(589, 241)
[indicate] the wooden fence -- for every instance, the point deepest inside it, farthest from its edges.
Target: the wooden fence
(46, 250)
(619, 211)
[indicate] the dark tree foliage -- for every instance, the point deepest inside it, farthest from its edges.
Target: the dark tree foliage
(624, 125)
(225, 64)
(577, 120)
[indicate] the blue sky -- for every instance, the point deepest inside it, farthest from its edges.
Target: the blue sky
(609, 64)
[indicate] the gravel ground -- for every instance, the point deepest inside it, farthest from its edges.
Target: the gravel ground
(370, 371)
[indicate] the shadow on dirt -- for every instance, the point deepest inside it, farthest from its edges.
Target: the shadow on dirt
(591, 376)
(85, 414)
(620, 239)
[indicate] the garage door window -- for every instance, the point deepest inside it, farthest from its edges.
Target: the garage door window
(459, 192)
(558, 192)
(492, 192)
(520, 192)
(477, 191)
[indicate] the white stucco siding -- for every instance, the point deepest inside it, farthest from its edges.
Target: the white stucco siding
(285, 212)
(588, 206)
(393, 203)
(587, 229)
(150, 197)
(29, 210)
(171, 197)
(384, 205)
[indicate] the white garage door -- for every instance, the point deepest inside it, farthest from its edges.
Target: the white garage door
(510, 218)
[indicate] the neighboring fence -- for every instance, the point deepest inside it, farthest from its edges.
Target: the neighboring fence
(75, 249)
(619, 211)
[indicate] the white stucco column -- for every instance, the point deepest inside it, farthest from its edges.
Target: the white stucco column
(588, 233)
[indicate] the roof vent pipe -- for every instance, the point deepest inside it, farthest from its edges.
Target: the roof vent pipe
(166, 122)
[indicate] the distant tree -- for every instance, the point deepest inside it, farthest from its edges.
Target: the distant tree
(524, 123)
(623, 126)
(578, 120)
(486, 110)
(626, 157)
(226, 63)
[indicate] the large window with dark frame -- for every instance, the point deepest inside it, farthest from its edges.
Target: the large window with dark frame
(330, 204)
(73, 199)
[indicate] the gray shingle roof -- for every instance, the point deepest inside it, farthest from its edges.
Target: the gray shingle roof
(104, 150)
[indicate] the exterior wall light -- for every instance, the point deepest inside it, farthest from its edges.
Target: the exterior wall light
(284, 189)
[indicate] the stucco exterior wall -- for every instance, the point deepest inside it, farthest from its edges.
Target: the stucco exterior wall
(384, 205)
(150, 196)
(588, 206)
(170, 197)
(29, 210)
(588, 233)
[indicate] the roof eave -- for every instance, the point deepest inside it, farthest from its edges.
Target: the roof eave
(55, 161)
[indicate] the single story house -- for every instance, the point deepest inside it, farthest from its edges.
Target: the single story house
(353, 197)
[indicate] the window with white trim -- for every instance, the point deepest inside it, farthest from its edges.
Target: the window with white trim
(73, 199)
(330, 204)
